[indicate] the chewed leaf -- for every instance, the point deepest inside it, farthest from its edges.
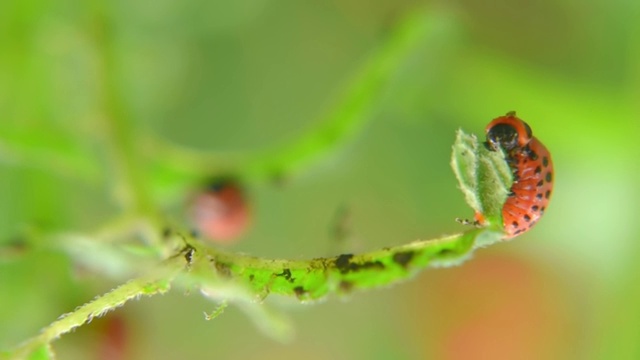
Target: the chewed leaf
(484, 177)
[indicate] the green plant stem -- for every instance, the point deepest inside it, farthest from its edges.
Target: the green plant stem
(247, 280)
(117, 124)
(157, 282)
(352, 107)
(316, 278)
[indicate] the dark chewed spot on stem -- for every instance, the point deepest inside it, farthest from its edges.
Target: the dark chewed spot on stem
(286, 273)
(345, 264)
(403, 258)
(447, 252)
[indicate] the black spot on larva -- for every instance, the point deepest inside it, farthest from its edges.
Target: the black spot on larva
(539, 196)
(547, 194)
(515, 224)
(548, 177)
(517, 232)
(342, 262)
(526, 218)
(533, 156)
(531, 224)
(535, 208)
(299, 291)
(403, 258)
(545, 161)
(540, 183)
(287, 275)
(538, 170)
(346, 286)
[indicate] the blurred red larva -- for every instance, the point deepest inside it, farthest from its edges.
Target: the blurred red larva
(114, 338)
(220, 212)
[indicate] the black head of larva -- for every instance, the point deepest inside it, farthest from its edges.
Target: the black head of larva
(508, 132)
(502, 136)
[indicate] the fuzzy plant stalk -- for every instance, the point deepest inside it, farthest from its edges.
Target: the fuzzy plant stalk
(484, 178)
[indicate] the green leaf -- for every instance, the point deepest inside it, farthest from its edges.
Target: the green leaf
(494, 181)
(464, 161)
(484, 178)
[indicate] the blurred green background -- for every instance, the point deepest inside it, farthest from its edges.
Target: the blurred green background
(245, 77)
